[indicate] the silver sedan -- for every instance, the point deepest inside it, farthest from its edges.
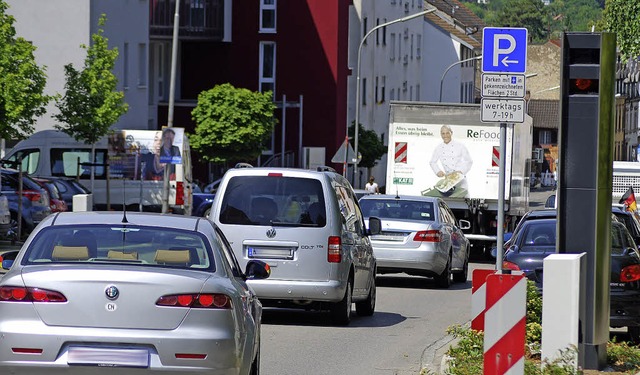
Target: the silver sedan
(161, 293)
(420, 236)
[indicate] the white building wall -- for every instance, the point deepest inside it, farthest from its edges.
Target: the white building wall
(58, 27)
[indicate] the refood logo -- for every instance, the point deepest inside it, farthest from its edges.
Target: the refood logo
(483, 134)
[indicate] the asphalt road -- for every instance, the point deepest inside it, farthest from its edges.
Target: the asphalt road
(402, 337)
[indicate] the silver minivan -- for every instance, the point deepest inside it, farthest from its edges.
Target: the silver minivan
(307, 225)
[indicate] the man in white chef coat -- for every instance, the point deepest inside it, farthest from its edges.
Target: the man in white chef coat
(451, 156)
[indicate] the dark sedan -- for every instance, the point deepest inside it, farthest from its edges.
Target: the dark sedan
(201, 202)
(537, 238)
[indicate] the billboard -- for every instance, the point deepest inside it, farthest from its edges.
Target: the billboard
(144, 154)
(443, 160)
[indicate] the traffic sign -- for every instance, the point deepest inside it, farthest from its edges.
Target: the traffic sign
(502, 110)
(503, 85)
(504, 50)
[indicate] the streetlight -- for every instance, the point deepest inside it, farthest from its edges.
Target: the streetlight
(451, 66)
(357, 119)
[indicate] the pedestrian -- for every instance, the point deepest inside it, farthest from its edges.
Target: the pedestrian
(372, 187)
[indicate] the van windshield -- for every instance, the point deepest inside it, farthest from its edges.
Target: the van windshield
(270, 200)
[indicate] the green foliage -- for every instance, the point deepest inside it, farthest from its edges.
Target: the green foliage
(543, 22)
(91, 103)
(22, 82)
(467, 356)
(232, 124)
(621, 17)
(623, 357)
(369, 145)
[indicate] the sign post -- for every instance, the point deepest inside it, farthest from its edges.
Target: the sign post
(504, 63)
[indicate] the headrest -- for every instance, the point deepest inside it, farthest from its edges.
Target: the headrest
(70, 253)
(172, 256)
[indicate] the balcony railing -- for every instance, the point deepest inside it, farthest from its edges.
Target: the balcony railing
(199, 19)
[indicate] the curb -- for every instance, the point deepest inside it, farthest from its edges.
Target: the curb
(434, 359)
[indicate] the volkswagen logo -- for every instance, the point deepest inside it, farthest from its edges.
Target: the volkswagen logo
(112, 292)
(271, 233)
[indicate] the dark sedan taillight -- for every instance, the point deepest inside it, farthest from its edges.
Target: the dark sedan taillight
(37, 198)
(506, 265)
(22, 294)
(203, 301)
(630, 273)
(428, 236)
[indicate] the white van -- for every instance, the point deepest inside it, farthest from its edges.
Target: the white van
(126, 167)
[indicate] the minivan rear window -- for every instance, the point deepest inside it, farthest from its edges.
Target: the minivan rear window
(273, 200)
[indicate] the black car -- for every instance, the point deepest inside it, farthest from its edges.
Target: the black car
(68, 187)
(630, 220)
(537, 239)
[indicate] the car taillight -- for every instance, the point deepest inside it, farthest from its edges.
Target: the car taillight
(630, 273)
(428, 236)
(203, 301)
(506, 265)
(21, 294)
(32, 195)
(334, 252)
(179, 193)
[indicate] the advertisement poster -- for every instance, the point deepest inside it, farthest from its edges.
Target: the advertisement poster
(144, 154)
(454, 161)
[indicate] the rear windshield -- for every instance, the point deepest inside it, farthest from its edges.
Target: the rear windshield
(396, 209)
(144, 246)
(273, 200)
(538, 234)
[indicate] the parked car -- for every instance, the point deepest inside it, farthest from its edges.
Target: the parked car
(35, 200)
(5, 219)
(57, 204)
(420, 236)
(68, 187)
(537, 239)
(201, 202)
(629, 219)
(308, 226)
(164, 293)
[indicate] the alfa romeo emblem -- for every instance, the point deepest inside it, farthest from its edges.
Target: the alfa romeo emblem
(271, 233)
(112, 292)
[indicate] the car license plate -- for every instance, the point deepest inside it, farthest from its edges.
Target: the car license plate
(108, 357)
(269, 253)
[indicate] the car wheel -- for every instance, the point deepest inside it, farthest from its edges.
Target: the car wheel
(207, 213)
(341, 311)
(255, 365)
(461, 277)
(444, 279)
(634, 334)
(368, 306)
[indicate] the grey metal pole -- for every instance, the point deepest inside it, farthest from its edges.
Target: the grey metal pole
(501, 180)
(172, 89)
(300, 131)
(357, 118)
(451, 66)
(284, 127)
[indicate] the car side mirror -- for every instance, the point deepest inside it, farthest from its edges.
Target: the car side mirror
(375, 226)
(8, 258)
(464, 224)
(257, 270)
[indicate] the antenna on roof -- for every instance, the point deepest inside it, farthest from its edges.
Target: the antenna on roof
(124, 208)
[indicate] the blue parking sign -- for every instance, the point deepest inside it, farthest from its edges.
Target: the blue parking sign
(504, 50)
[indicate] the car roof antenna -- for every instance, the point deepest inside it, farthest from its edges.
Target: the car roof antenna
(124, 209)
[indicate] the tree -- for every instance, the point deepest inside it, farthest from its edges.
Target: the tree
(369, 145)
(522, 13)
(22, 82)
(91, 103)
(232, 124)
(621, 17)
